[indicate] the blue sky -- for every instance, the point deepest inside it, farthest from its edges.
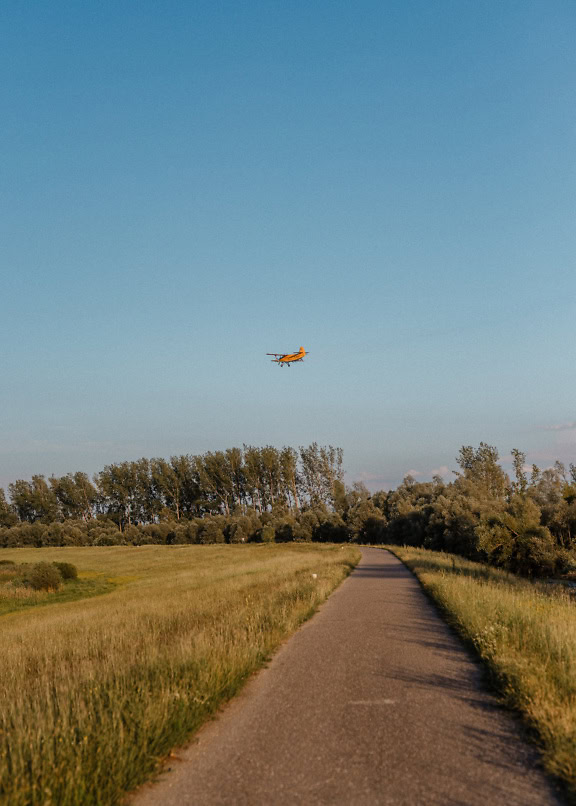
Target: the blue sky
(187, 186)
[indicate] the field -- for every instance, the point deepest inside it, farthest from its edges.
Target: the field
(96, 691)
(16, 594)
(526, 633)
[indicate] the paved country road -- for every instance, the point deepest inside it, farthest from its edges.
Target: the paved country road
(373, 701)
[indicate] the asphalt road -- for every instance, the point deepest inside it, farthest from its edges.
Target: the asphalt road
(373, 701)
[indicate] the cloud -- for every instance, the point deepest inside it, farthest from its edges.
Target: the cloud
(414, 473)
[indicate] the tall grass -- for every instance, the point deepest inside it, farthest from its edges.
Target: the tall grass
(95, 692)
(526, 633)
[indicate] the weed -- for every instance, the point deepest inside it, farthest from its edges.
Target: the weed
(526, 632)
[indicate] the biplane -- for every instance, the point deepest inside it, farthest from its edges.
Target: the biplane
(288, 358)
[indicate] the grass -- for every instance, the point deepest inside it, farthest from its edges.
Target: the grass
(526, 633)
(96, 692)
(16, 596)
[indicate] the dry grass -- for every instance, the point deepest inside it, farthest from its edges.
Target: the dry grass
(526, 632)
(95, 692)
(14, 593)
(11, 592)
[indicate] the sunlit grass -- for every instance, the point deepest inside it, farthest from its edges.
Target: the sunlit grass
(526, 632)
(15, 594)
(95, 692)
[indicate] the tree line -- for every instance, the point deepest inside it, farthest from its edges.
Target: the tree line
(234, 482)
(525, 523)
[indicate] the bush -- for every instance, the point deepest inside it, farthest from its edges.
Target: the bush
(44, 577)
(132, 534)
(67, 570)
(268, 534)
(107, 537)
(211, 530)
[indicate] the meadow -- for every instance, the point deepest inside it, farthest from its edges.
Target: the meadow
(96, 691)
(526, 633)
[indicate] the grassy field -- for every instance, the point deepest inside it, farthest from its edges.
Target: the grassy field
(95, 692)
(526, 632)
(17, 596)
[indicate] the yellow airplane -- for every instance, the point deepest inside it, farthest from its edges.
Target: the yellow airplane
(288, 358)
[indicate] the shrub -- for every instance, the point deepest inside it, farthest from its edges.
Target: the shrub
(157, 533)
(53, 535)
(67, 570)
(44, 577)
(107, 537)
(211, 531)
(180, 534)
(132, 534)
(268, 534)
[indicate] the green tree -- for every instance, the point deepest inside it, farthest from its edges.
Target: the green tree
(254, 475)
(271, 475)
(481, 470)
(167, 484)
(216, 480)
(123, 492)
(267, 534)
(515, 540)
(34, 500)
(7, 515)
(211, 529)
(519, 460)
(290, 476)
(76, 495)
(320, 468)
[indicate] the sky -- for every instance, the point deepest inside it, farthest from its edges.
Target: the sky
(187, 186)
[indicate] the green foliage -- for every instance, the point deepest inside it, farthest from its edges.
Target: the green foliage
(525, 524)
(148, 491)
(211, 530)
(241, 529)
(44, 577)
(34, 500)
(67, 570)
(514, 539)
(267, 534)
(7, 515)
(76, 495)
(519, 460)
(481, 469)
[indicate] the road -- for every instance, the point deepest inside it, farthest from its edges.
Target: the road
(373, 701)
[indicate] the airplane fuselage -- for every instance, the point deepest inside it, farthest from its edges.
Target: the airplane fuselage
(288, 358)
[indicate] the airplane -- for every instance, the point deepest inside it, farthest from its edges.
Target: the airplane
(288, 358)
